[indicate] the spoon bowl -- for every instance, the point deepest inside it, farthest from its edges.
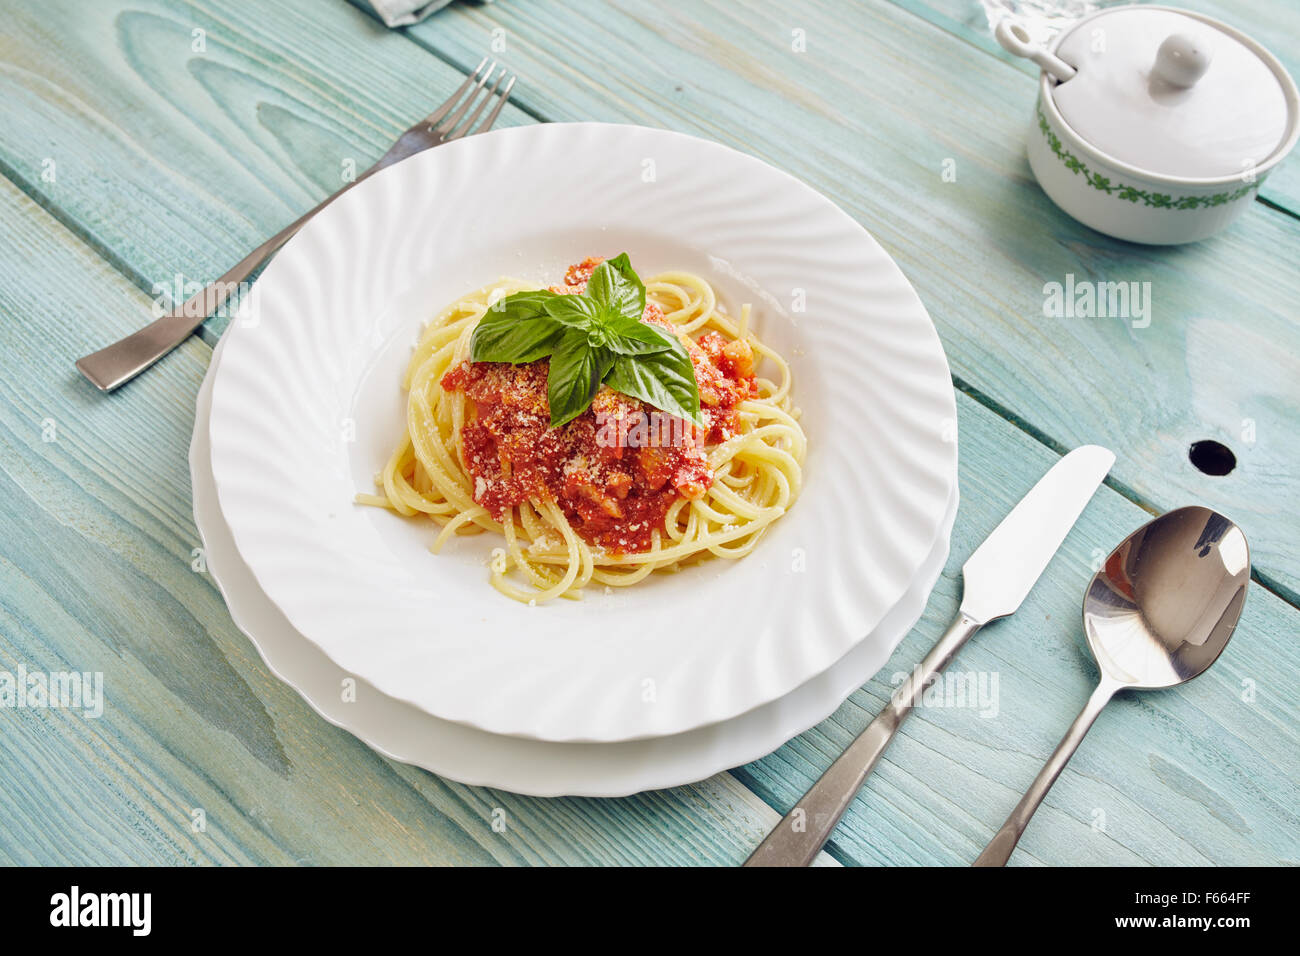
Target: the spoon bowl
(1162, 607)
(1157, 614)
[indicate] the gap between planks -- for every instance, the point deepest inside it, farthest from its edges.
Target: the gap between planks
(107, 254)
(987, 44)
(1262, 579)
(29, 188)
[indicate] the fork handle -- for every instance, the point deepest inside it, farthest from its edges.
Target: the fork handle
(799, 837)
(116, 364)
(1004, 841)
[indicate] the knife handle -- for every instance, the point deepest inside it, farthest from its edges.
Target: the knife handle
(799, 837)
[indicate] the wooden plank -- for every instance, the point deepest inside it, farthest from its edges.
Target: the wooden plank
(96, 540)
(96, 550)
(1205, 774)
(174, 137)
(871, 114)
(253, 129)
(1275, 25)
(1179, 786)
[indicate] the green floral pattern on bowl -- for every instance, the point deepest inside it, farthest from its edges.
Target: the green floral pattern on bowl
(1132, 193)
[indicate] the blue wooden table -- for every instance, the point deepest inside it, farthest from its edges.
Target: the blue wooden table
(142, 140)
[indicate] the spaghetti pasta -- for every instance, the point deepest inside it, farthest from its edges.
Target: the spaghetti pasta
(573, 529)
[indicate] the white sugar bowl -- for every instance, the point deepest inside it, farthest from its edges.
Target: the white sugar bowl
(1154, 124)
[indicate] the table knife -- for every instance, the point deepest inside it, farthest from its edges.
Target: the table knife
(996, 579)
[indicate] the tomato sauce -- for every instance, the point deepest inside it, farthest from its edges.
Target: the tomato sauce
(617, 468)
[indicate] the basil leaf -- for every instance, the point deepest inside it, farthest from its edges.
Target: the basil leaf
(575, 374)
(633, 337)
(590, 337)
(665, 380)
(614, 283)
(522, 304)
(515, 329)
(576, 311)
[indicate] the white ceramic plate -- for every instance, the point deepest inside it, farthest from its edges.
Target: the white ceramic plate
(539, 768)
(336, 313)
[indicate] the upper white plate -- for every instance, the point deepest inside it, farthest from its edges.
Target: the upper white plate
(306, 405)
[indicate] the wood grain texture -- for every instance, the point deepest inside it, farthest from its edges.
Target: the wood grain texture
(869, 115)
(96, 552)
(97, 576)
(96, 541)
(181, 135)
(1204, 774)
(1275, 25)
(150, 138)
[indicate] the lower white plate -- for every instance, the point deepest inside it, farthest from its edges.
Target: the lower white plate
(540, 768)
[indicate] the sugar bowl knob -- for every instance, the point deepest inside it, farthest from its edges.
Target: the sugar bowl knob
(1182, 60)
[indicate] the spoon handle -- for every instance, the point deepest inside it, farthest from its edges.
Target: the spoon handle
(1004, 841)
(1014, 38)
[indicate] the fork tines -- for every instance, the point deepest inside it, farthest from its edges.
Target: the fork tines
(446, 120)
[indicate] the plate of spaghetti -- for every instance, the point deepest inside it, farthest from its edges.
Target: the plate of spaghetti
(584, 432)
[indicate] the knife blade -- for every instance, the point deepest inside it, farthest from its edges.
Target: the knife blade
(996, 580)
(999, 575)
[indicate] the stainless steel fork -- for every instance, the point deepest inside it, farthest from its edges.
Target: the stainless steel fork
(122, 361)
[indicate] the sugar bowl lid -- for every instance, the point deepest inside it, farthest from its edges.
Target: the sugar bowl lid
(1171, 93)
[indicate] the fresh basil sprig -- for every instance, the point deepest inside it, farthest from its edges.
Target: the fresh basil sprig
(516, 329)
(591, 338)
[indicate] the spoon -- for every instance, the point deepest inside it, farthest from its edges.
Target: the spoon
(1158, 613)
(1014, 38)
